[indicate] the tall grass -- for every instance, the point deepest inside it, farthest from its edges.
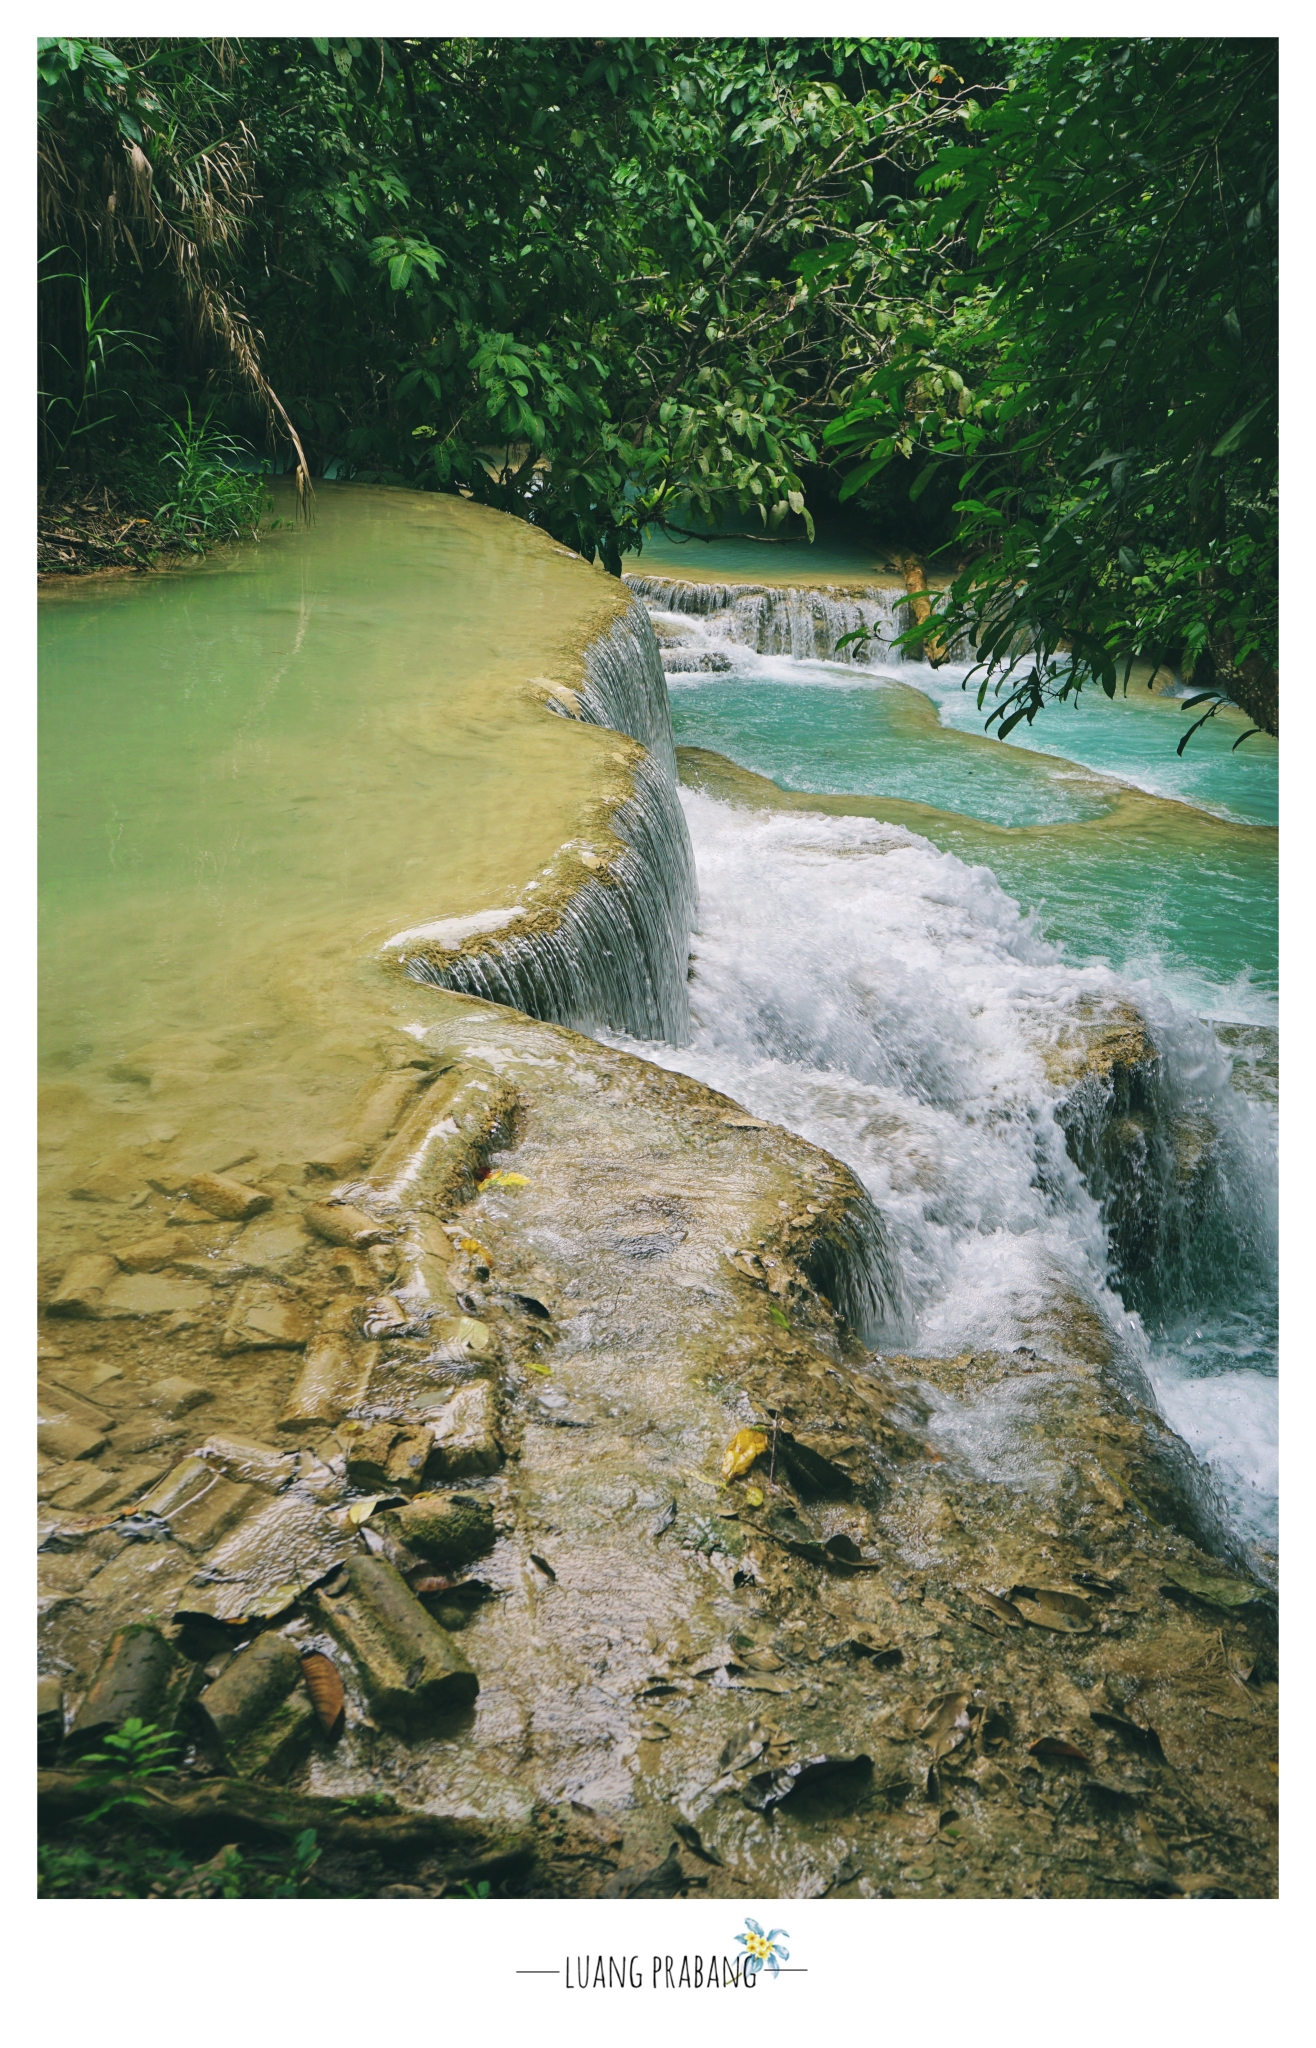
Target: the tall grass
(211, 499)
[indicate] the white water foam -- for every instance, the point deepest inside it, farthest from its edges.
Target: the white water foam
(893, 1005)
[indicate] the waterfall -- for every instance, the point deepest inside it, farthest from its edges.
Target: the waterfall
(623, 687)
(804, 624)
(891, 1004)
(699, 623)
(605, 945)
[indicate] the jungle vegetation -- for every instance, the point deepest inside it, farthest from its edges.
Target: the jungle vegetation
(1013, 303)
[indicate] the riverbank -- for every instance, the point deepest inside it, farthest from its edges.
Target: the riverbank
(93, 530)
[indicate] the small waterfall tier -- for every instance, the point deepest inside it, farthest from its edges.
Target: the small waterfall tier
(600, 937)
(699, 625)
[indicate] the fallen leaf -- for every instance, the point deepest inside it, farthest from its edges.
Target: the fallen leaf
(1109, 1796)
(745, 1446)
(543, 1564)
(1214, 1590)
(505, 1180)
(946, 1722)
(1056, 1747)
(1199, 1884)
(326, 1690)
(753, 1498)
(664, 1881)
(1145, 1740)
(1002, 1609)
(1230, 1702)
(545, 1370)
(1052, 1607)
(863, 1643)
(815, 1476)
(1097, 1582)
(721, 1659)
(734, 1679)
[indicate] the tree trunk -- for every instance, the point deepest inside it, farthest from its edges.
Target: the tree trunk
(920, 604)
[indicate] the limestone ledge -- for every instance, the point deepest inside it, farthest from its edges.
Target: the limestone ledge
(599, 935)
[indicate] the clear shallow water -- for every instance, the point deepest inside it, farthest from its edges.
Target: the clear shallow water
(887, 991)
(1151, 886)
(290, 752)
(255, 772)
(1136, 737)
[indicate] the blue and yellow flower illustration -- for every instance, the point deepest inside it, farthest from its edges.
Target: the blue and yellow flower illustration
(761, 1948)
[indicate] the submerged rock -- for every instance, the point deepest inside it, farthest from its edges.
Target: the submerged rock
(247, 1691)
(85, 1281)
(333, 1379)
(140, 1678)
(257, 1719)
(389, 1456)
(231, 1199)
(447, 1528)
(413, 1673)
(263, 1319)
(339, 1223)
(153, 1294)
(466, 1434)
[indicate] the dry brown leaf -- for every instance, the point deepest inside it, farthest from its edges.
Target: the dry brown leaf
(326, 1690)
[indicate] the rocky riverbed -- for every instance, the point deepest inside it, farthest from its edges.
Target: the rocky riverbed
(512, 1482)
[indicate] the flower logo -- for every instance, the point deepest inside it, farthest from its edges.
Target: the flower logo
(761, 1948)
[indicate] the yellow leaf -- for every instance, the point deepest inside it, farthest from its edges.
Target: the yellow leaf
(753, 1498)
(740, 1453)
(505, 1180)
(361, 1510)
(532, 1366)
(476, 1250)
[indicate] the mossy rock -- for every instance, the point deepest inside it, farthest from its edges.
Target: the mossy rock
(447, 1528)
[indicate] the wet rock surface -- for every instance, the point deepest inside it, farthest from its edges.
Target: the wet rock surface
(660, 1576)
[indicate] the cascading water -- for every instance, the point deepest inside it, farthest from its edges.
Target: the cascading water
(613, 952)
(892, 1003)
(804, 624)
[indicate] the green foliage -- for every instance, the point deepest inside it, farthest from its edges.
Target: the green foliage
(233, 1874)
(122, 1861)
(1015, 300)
(556, 274)
(87, 397)
(482, 1890)
(210, 500)
(1095, 374)
(109, 1866)
(133, 1755)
